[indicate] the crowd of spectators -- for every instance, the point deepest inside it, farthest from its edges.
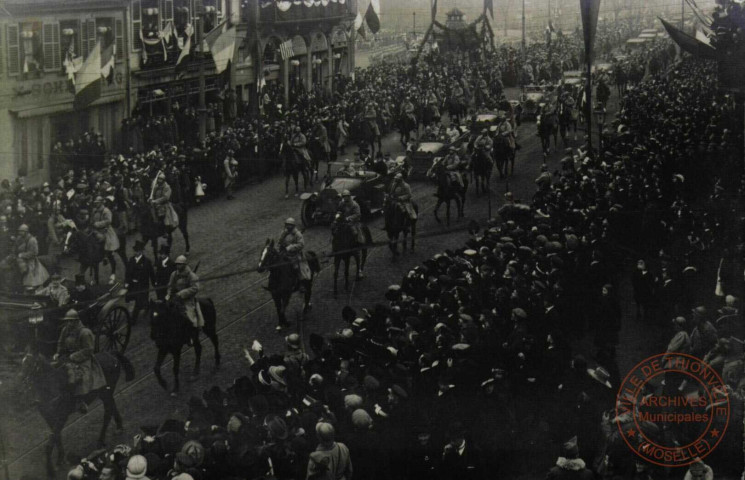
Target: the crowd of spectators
(472, 366)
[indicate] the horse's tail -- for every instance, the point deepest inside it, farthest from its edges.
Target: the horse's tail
(129, 369)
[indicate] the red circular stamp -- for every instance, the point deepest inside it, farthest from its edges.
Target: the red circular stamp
(672, 409)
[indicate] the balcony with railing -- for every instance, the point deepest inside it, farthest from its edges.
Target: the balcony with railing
(277, 12)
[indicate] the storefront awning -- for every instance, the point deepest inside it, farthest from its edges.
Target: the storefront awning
(64, 107)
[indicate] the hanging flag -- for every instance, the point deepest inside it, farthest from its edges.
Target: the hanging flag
(589, 10)
(434, 9)
(688, 43)
(88, 79)
(186, 50)
(372, 16)
(359, 25)
(489, 5)
(107, 55)
(260, 81)
(702, 37)
(285, 49)
(221, 43)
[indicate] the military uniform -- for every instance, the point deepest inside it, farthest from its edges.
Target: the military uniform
(350, 212)
(401, 193)
(75, 347)
(185, 286)
(372, 116)
(101, 219)
(27, 251)
(300, 144)
(293, 244)
(453, 164)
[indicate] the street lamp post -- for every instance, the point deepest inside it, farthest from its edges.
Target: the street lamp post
(600, 119)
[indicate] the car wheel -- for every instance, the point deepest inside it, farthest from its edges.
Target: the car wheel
(306, 213)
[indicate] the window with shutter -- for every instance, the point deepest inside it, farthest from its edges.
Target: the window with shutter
(84, 38)
(91, 27)
(119, 40)
(136, 25)
(2, 48)
(14, 50)
(52, 59)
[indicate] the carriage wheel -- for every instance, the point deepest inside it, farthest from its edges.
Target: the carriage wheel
(306, 213)
(114, 331)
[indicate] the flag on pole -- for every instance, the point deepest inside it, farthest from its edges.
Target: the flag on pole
(372, 16)
(88, 79)
(186, 49)
(690, 44)
(359, 25)
(221, 43)
(590, 10)
(285, 49)
(107, 55)
(489, 5)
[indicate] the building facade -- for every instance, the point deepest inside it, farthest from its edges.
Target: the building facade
(36, 95)
(39, 39)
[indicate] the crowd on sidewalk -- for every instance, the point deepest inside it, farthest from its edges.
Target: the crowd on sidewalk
(470, 368)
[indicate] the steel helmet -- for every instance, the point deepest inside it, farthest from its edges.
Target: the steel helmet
(346, 193)
(71, 315)
(290, 221)
(180, 260)
(23, 228)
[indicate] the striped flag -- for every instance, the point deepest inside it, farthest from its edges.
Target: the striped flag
(88, 79)
(221, 42)
(186, 49)
(285, 48)
(372, 16)
(107, 55)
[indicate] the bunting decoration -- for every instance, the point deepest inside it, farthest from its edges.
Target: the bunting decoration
(590, 10)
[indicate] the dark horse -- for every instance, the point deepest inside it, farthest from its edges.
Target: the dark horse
(482, 168)
(504, 155)
(294, 165)
(447, 190)
(457, 109)
(87, 247)
(397, 223)
(548, 126)
(48, 384)
(346, 246)
(283, 279)
(369, 134)
(151, 229)
(170, 329)
(407, 123)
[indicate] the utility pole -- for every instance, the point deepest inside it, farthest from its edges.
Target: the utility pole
(202, 103)
(523, 43)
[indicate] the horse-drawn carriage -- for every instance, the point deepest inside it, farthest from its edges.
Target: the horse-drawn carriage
(429, 150)
(367, 188)
(36, 320)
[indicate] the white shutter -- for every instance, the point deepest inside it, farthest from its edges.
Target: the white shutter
(14, 50)
(50, 36)
(119, 47)
(136, 25)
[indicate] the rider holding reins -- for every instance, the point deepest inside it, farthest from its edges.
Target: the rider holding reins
(350, 212)
(75, 351)
(401, 194)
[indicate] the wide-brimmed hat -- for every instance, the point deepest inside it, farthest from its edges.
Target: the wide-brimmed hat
(277, 374)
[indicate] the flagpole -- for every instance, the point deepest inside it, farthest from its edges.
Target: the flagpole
(202, 101)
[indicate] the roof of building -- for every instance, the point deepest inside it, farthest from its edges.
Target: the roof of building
(23, 7)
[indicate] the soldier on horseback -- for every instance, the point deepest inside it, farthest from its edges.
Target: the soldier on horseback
(484, 144)
(183, 288)
(291, 243)
(75, 349)
(401, 194)
(506, 130)
(350, 212)
(454, 165)
(300, 144)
